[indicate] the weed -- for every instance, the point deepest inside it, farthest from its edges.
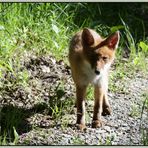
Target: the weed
(144, 131)
(57, 104)
(16, 137)
(139, 60)
(90, 93)
(144, 136)
(64, 123)
(130, 40)
(56, 111)
(78, 141)
(117, 77)
(109, 140)
(4, 140)
(135, 111)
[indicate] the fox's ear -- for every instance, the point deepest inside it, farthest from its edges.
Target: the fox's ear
(113, 40)
(87, 37)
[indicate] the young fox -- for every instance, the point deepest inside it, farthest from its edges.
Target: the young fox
(90, 58)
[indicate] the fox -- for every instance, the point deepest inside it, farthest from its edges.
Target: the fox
(90, 57)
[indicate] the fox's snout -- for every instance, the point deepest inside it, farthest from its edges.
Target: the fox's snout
(97, 72)
(98, 67)
(101, 67)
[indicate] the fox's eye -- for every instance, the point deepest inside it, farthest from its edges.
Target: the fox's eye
(105, 58)
(97, 57)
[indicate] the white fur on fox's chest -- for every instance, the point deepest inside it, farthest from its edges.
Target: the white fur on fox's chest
(90, 76)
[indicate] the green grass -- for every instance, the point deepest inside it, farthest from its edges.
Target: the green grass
(46, 28)
(78, 141)
(135, 111)
(11, 119)
(144, 131)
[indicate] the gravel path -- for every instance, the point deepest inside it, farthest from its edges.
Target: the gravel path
(48, 76)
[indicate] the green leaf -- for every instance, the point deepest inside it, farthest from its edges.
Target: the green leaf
(136, 61)
(15, 136)
(115, 28)
(143, 46)
(2, 28)
(55, 28)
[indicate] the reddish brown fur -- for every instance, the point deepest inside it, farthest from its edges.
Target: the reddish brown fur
(89, 55)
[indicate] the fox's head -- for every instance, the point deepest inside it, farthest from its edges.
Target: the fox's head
(99, 52)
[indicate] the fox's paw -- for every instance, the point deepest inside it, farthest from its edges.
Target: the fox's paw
(97, 123)
(81, 127)
(106, 111)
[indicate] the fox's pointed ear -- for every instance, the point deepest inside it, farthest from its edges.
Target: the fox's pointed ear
(87, 37)
(113, 40)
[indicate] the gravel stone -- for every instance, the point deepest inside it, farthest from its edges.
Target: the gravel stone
(50, 80)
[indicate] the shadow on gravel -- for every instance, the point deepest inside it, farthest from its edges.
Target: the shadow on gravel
(44, 95)
(14, 118)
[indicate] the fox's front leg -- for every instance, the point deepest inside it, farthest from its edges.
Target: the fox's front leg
(80, 103)
(98, 94)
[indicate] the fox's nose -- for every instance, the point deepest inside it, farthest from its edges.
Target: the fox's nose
(97, 72)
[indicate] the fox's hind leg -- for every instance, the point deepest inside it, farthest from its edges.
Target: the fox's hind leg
(106, 106)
